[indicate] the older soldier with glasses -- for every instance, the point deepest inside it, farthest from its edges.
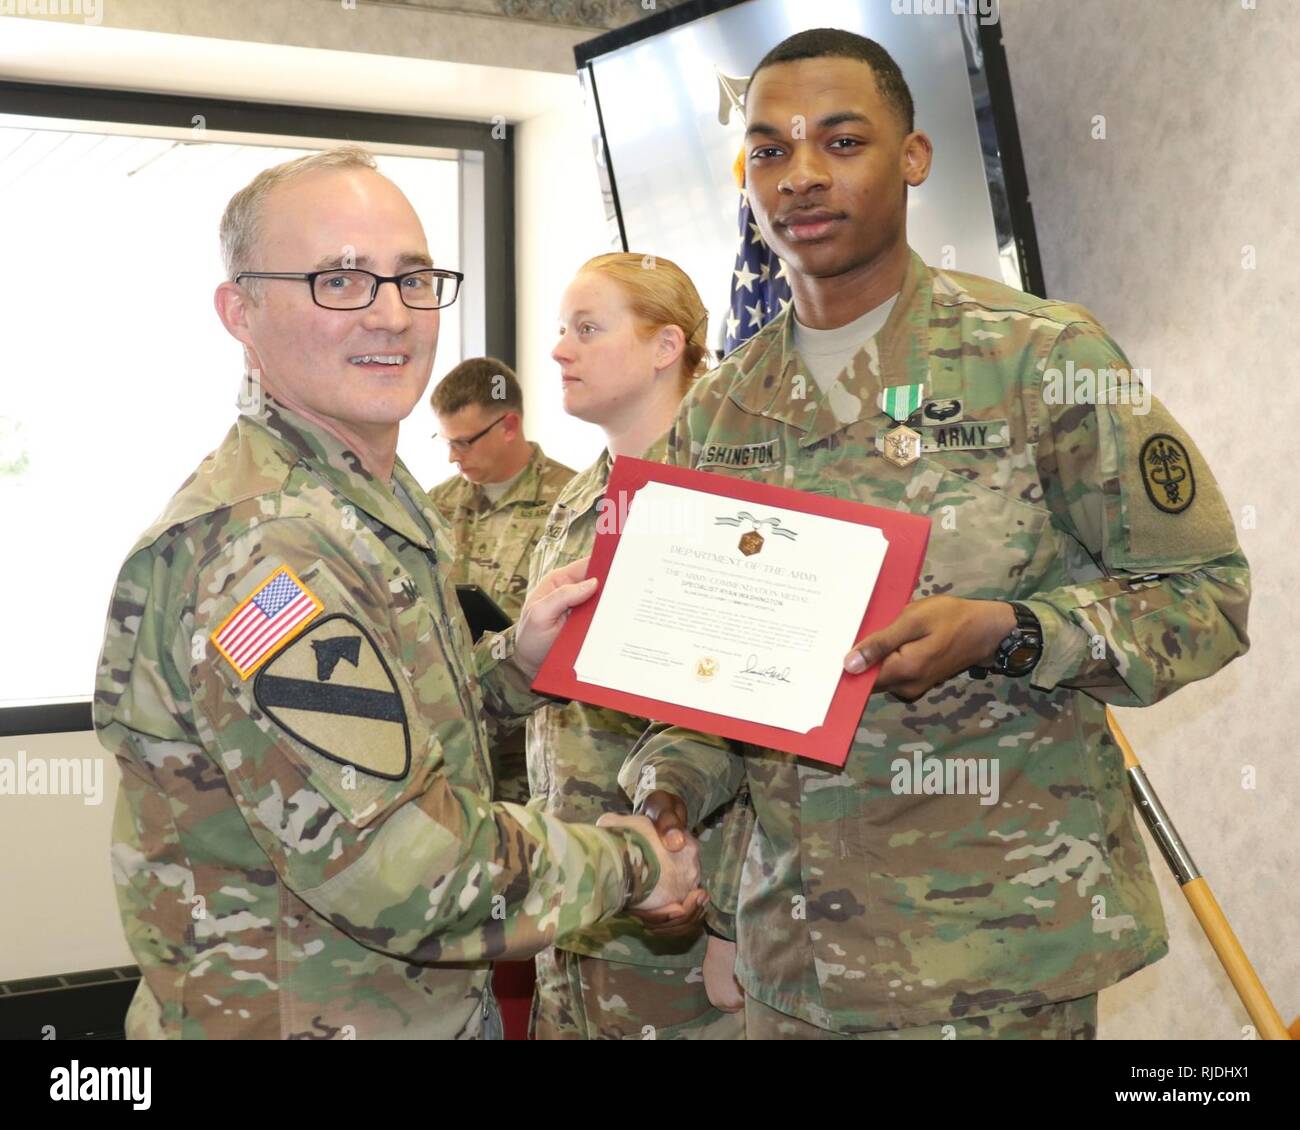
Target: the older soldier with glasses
(304, 845)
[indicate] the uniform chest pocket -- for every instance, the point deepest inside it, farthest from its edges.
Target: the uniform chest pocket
(984, 542)
(514, 551)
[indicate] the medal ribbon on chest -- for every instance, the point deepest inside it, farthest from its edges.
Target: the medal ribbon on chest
(902, 444)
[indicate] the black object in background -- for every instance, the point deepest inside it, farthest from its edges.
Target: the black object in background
(88, 1005)
(483, 613)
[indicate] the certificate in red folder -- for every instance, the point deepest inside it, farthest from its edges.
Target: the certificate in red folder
(727, 606)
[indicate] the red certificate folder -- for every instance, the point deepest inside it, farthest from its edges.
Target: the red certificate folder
(907, 535)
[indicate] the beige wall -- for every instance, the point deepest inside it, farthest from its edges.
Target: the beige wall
(1146, 229)
(469, 31)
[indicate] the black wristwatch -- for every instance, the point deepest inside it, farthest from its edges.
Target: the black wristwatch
(1020, 651)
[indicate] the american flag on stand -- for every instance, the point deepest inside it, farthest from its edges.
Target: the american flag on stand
(278, 609)
(760, 288)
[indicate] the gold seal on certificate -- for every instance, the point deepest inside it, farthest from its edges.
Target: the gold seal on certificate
(706, 669)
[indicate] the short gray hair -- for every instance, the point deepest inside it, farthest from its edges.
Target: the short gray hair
(242, 221)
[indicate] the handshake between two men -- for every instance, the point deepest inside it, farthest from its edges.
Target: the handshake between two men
(667, 815)
(666, 912)
(676, 905)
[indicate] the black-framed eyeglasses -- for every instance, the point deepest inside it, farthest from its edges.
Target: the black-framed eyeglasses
(428, 288)
(462, 445)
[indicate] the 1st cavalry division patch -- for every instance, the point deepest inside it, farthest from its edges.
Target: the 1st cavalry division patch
(276, 611)
(332, 690)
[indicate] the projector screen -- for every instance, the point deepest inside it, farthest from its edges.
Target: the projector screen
(114, 391)
(666, 160)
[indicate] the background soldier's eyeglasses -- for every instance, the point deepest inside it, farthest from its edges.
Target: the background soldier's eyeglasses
(460, 446)
(425, 289)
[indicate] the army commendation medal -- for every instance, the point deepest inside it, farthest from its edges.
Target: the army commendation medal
(902, 445)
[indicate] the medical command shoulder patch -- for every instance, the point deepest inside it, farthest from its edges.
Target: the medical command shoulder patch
(276, 611)
(1167, 473)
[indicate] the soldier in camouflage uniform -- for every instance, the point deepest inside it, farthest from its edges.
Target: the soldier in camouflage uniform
(869, 906)
(304, 844)
(496, 506)
(632, 339)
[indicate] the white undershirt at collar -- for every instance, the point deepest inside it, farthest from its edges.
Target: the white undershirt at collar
(495, 491)
(827, 352)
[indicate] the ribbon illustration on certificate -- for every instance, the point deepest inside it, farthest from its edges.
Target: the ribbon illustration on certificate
(728, 606)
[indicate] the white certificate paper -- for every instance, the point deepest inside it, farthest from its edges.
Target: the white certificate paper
(731, 607)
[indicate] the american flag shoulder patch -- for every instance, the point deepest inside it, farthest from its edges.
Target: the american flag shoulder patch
(276, 611)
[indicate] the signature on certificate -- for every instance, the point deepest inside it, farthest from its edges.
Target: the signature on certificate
(780, 674)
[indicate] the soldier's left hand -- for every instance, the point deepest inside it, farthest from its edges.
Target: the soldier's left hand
(720, 984)
(932, 640)
(546, 610)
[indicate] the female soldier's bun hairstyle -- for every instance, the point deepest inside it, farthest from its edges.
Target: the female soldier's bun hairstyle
(661, 294)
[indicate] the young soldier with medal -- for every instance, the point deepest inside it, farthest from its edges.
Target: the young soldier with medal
(1080, 554)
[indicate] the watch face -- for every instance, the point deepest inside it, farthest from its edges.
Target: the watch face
(1021, 657)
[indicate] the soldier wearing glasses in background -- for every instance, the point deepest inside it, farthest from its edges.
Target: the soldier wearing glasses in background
(304, 846)
(497, 506)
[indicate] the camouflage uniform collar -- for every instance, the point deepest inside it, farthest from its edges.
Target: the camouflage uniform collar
(526, 488)
(324, 456)
(587, 487)
(771, 383)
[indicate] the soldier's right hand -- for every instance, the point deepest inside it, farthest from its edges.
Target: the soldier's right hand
(679, 870)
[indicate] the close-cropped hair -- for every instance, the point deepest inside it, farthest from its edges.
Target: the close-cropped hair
(836, 43)
(242, 220)
(485, 381)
